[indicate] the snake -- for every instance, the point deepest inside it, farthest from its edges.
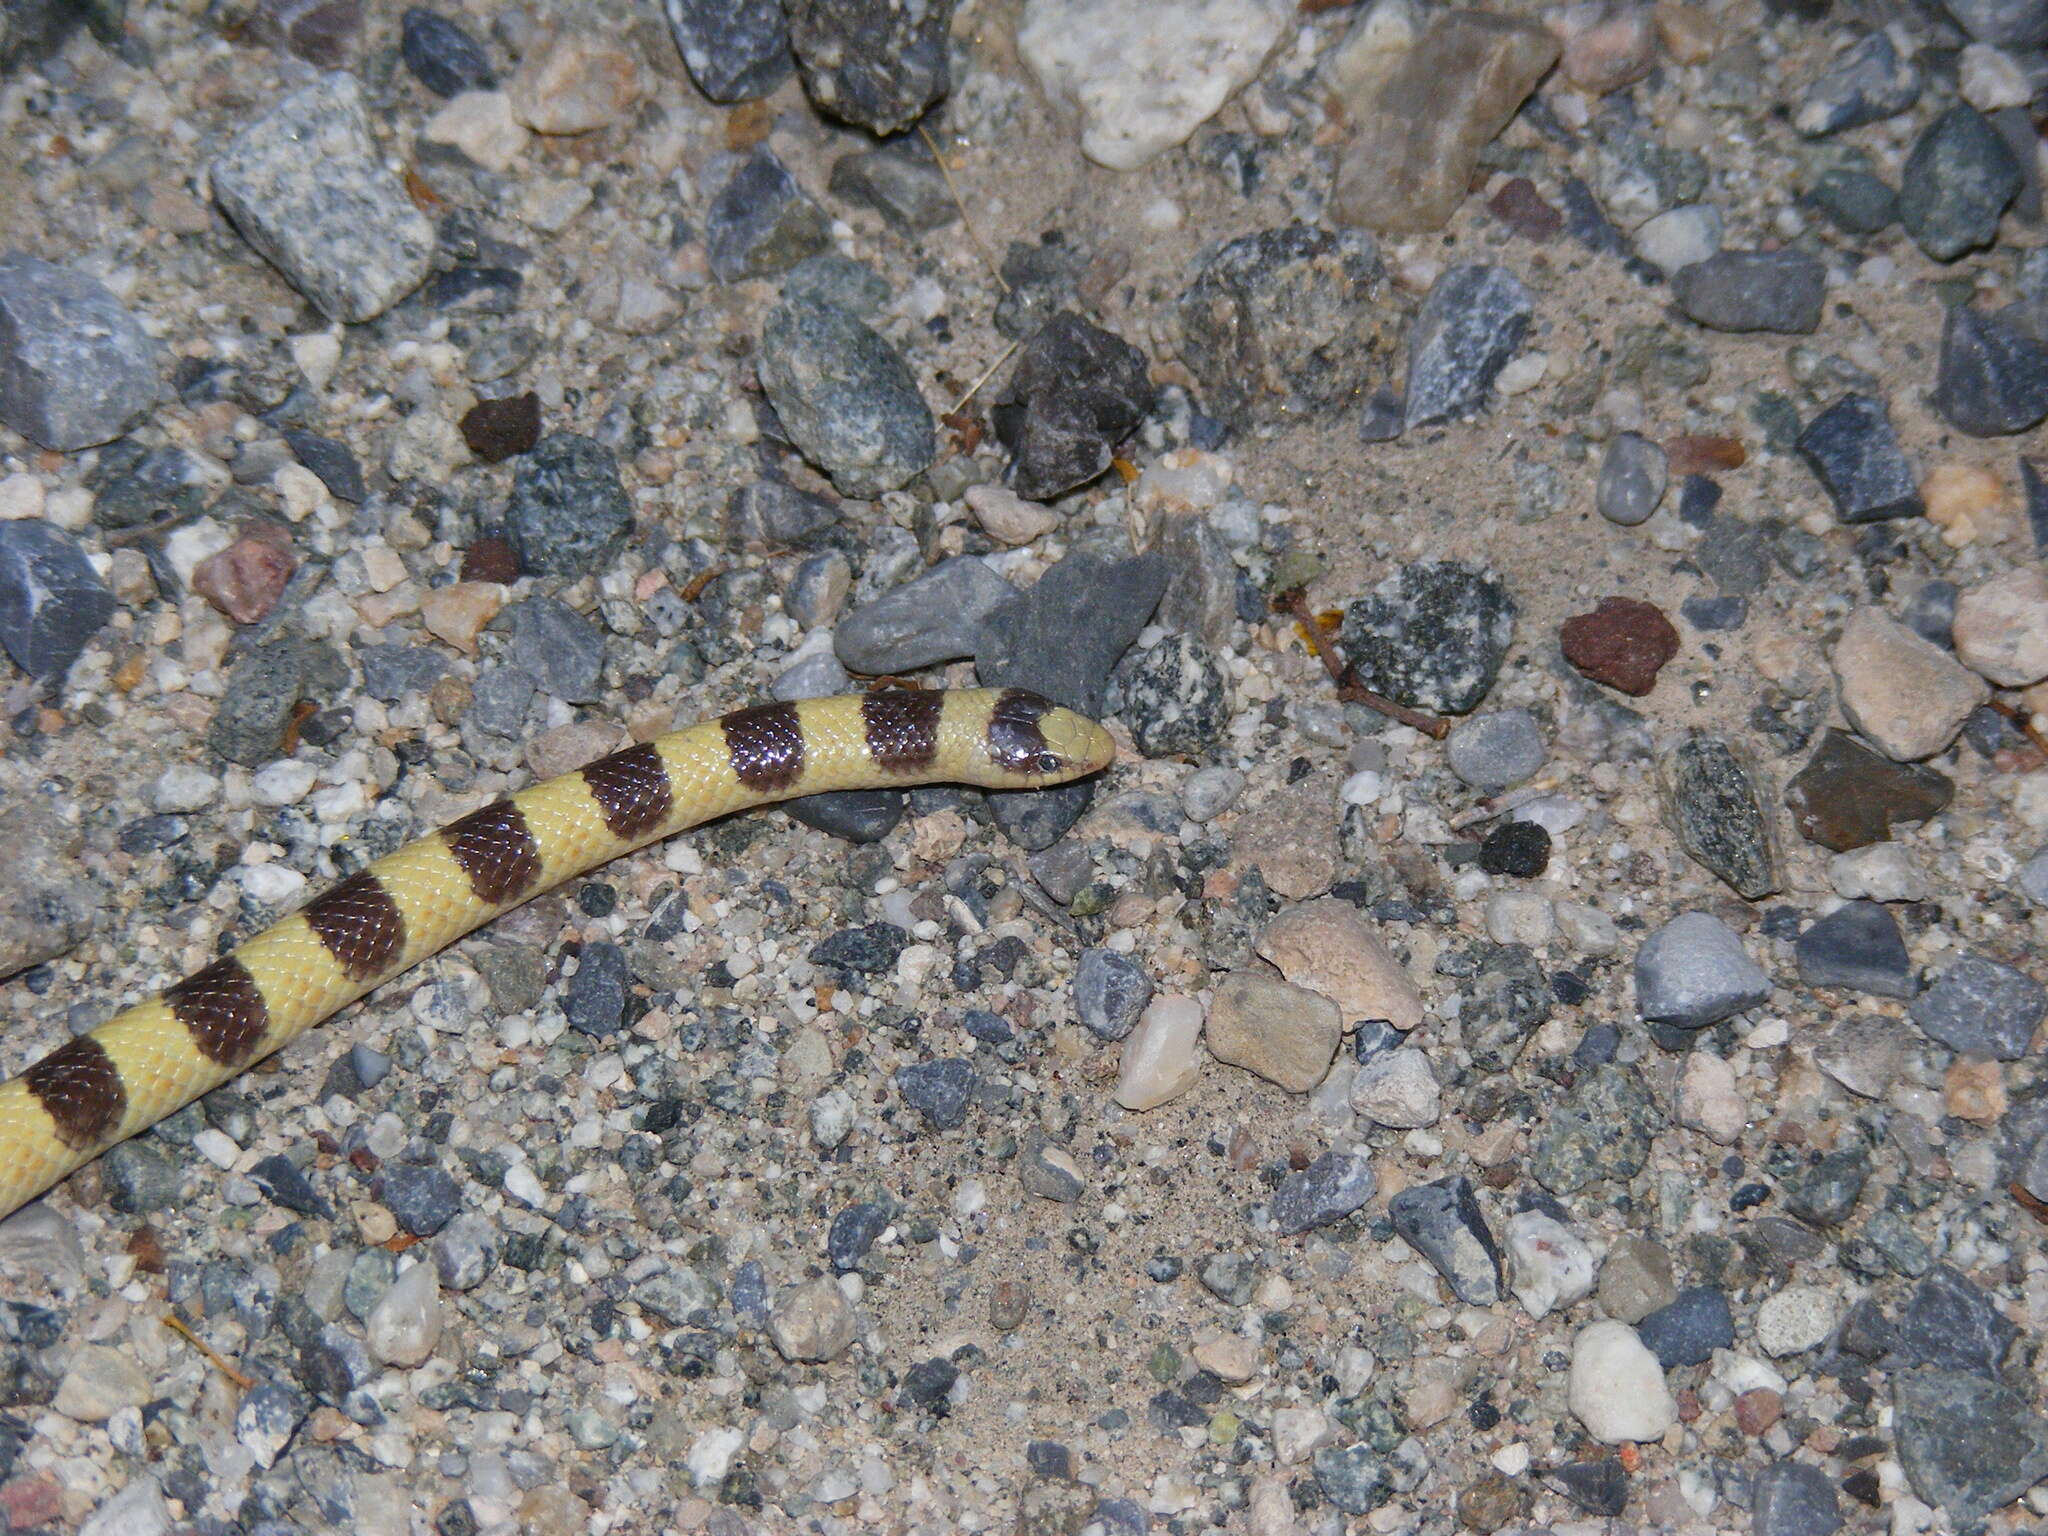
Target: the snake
(151, 1060)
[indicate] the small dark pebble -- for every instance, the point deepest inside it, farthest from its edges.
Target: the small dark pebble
(497, 429)
(1517, 848)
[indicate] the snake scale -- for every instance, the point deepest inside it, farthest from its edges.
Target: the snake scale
(152, 1059)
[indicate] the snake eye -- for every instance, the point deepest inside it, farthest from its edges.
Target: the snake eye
(1048, 762)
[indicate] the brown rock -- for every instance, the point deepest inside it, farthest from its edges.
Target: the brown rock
(1694, 454)
(1522, 208)
(457, 612)
(497, 429)
(1848, 796)
(1607, 46)
(2001, 630)
(1331, 947)
(1622, 643)
(1284, 1033)
(1492, 1501)
(491, 558)
(1757, 1410)
(1905, 693)
(245, 580)
(1410, 161)
(1974, 1090)
(1291, 839)
(575, 82)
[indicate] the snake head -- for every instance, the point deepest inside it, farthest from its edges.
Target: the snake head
(1031, 742)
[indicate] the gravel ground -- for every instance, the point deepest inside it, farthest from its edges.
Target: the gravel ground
(1536, 1031)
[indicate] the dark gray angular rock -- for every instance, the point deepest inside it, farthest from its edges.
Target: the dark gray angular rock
(499, 701)
(1600, 1129)
(936, 617)
(1778, 291)
(1432, 636)
(736, 50)
(1866, 82)
(568, 514)
(1597, 1487)
(1442, 1222)
(1693, 972)
(849, 403)
(2036, 486)
(831, 278)
(1285, 323)
(1857, 946)
(1957, 181)
(52, 601)
(1854, 452)
(1173, 697)
(761, 222)
(900, 182)
(594, 1001)
(1353, 1477)
(1720, 815)
(2016, 24)
(282, 1181)
(1951, 1323)
(1110, 991)
(1201, 580)
(264, 686)
(854, 1230)
(395, 672)
(141, 1177)
(773, 514)
(76, 369)
(1075, 393)
(1825, 1193)
(1690, 1328)
(939, 1090)
(1326, 1191)
(333, 462)
(558, 647)
(1992, 380)
(422, 1197)
(1041, 278)
(1507, 998)
(442, 55)
(1855, 202)
(1790, 1498)
(1982, 1007)
(875, 63)
(1470, 326)
(856, 815)
(269, 1415)
(466, 1251)
(1969, 1445)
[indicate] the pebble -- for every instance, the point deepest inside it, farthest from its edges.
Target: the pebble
(1879, 872)
(307, 186)
(1353, 1477)
(1521, 851)
(812, 1322)
(1689, 1328)
(1855, 202)
(1708, 1101)
(1790, 1498)
(1858, 946)
(2001, 628)
(1144, 79)
(1778, 291)
(1848, 797)
(1433, 636)
(941, 1091)
(1283, 1033)
(423, 1198)
(1111, 992)
(901, 182)
(1633, 475)
(1616, 1388)
(935, 617)
(466, 1251)
(1208, 792)
(1992, 379)
(1075, 392)
(1623, 643)
(1794, 1320)
(1419, 133)
(568, 514)
(1442, 1221)
(1052, 1174)
(1636, 1279)
(1600, 1129)
(245, 580)
(847, 399)
(1825, 1194)
(1958, 179)
(1173, 697)
(139, 1509)
(332, 462)
(1597, 1487)
(1397, 1089)
(99, 1382)
(735, 50)
(1061, 638)
(1334, 1186)
(443, 57)
(76, 368)
(1855, 454)
(1952, 1323)
(1720, 815)
(1473, 321)
(1866, 82)
(1161, 1058)
(1332, 948)
(574, 81)
(1982, 1007)
(1496, 751)
(141, 1178)
(1552, 1269)
(2033, 879)
(761, 222)
(873, 63)
(1007, 517)
(1907, 696)
(269, 1415)
(1280, 324)
(1693, 971)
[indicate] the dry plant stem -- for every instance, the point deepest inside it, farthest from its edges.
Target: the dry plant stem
(966, 218)
(178, 1325)
(986, 374)
(2023, 723)
(1295, 603)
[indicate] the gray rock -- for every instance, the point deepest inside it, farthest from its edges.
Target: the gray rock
(1825, 1194)
(400, 671)
(1048, 1172)
(1693, 972)
(1600, 1129)
(442, 55)
(52, 601)
(936, 617)
(855, 815)
(1283, 324)
(76, 369)
(939, 1090)
(499, 701)
(761, 222)
(1689, 1328)
(558, 647)
(817, 590)
(1855, 202)
(568, 514)
(466, 1251)
(1992, 379)
(1982, 1007)
(1497, 751)
(268, 1418)
(1472, 323)
(1442, 1222)
(1353, 1477)
(264, 686)
(1866, 82)
(1957, 181)
(831, 278)
(424, 1198)
(1857, 946)
(1506, 999)
(1432, 636)
(849, 403)
(141, 1177)
(1855, 453)
(1790, 1498)
(1951, 1323)
(1075, 393)
(901, 182)
(1969, 1445)
(1173, 697)
(1326, 1191)
(875, 63)
(775, 514)
(1633, 475)
(736, 50)
(2033, 879)
(1779, 291)
(307, 186)
(1201, 580)
(1110, 991)
(1720, 814)
(594, 1001)
(2002, 23)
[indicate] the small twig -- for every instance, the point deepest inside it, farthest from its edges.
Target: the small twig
(966, 218)
(178, 1325)
(1349, 690)
(2023, 722)
(986, 374)
(1501, 805)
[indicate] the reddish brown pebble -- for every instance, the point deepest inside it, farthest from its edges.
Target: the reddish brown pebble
(490, 559)
(1622, 643)
(1757, 1410)
(1688, 1402)
(29, 1502)
(1688, 455)
(245, 580)
(497, 429)
(1521, 207)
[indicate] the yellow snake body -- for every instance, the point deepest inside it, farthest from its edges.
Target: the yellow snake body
(152, 1059)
